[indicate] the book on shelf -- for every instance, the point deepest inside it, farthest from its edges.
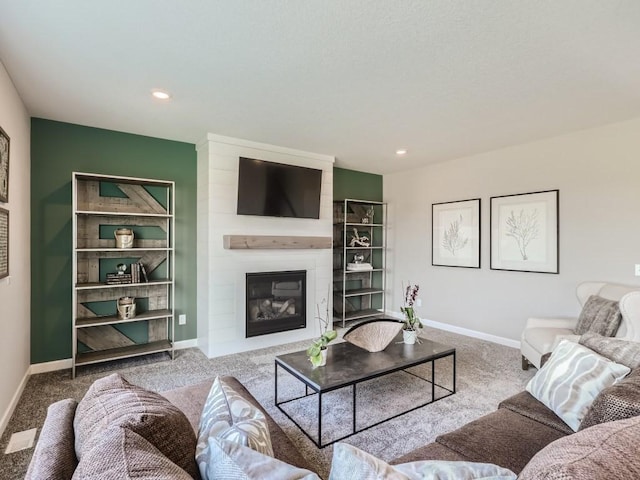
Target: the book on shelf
(118, 279)
(139, 273)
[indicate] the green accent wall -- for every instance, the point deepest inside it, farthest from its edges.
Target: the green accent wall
(57, 150)
(356, 185)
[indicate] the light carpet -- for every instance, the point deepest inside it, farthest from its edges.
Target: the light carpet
(487, 373)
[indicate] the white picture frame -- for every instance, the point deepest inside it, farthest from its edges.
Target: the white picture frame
(455, 234)
(525, 232)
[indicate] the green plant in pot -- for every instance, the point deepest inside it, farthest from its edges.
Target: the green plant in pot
(318, 350)
(412, 323)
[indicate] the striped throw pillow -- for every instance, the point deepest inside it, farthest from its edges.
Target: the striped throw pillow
(229, 416)
(572, 378)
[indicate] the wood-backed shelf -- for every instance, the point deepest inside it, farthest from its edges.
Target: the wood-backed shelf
(115, 320)
(87, 358)
(95, 286)
(356, 292)
(123, 214)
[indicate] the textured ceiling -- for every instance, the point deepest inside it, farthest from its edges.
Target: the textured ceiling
(351, 78)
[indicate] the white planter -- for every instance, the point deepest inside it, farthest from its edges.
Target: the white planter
(409, 336)
(323, 362)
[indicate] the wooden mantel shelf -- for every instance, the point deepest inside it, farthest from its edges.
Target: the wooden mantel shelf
(261, 242)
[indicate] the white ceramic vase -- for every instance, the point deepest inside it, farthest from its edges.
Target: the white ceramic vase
(409, 336)
(323, 354)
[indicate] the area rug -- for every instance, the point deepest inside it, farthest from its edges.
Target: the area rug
(486, 374)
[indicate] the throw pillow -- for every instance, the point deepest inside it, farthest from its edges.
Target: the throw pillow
(228, 416)
(123, 454)
(231, 460)
(605, 451)
(599, 315)
(571, 379)
(351, 463)
(617, 402)
(626, 352)
(112, 401)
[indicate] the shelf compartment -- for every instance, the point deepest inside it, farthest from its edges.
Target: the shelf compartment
(99, 356)
(356, 292)
(114, 320)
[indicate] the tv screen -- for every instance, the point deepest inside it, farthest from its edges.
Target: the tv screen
(277, 190)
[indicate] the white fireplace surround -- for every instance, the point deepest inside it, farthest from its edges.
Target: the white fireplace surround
(222, 272)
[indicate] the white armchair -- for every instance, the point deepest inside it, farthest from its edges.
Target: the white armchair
(542, 335)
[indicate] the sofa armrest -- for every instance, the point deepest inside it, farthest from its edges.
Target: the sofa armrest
(548, 322)
(54, 457)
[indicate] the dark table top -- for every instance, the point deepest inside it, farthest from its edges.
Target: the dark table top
(348, 364)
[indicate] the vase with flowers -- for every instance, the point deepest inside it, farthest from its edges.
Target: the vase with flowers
(412, 323)
(317, 352)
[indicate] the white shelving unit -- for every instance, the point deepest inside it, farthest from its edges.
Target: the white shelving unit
(144, 206)
(359, 295)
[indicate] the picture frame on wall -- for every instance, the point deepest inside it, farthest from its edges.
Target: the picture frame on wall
(4, 243)
(525, 232)
(4, 166)
(455, 234)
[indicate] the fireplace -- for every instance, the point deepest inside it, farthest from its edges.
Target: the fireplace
(275, 302)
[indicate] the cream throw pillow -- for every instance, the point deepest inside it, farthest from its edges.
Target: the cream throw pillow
(229, 460)
(351, 463)
(571, 380)
(229, 416)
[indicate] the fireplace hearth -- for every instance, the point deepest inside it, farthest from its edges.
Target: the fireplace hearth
(275, 302)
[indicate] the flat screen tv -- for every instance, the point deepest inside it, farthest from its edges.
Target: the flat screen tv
(277, 190)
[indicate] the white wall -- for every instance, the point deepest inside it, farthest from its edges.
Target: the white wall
(598, 174)
(221, 272)
(15, 289)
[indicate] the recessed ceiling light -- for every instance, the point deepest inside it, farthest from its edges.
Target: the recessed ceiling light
(401, 151)
(160, 94)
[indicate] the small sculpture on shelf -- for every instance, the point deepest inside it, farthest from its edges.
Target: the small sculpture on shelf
(359, 240)
(368, 218)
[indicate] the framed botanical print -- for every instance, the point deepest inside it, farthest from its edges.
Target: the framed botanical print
(4, 243)
(455, 234)
(4, 166)
(525, 232)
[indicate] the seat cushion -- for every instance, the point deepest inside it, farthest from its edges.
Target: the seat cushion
(542, 339)
(526, 404)
(503, 438)
(430, 451)
(112, 401)
(606, 451)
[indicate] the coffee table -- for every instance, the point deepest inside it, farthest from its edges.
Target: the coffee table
(348, 365)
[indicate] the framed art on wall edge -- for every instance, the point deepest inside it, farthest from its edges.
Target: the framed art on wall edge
(4, 166)
(524, 233)
(4, 243)
(455, 234)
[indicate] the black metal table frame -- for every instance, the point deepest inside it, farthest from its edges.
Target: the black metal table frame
(353, 384)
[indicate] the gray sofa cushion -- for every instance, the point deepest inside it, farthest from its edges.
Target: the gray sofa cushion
(606, 451)
(112, 401)
(54, 457)
(503, 438)
(616, 402)
(621, 351)
(527, 405)
(123, 454)
(599, 315)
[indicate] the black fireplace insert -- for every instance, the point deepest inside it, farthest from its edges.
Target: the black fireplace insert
(275, 302)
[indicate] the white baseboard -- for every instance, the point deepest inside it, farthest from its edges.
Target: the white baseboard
(50, 366)
(66, 363)
(182, 344)
(463, 331)
(6, 416)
